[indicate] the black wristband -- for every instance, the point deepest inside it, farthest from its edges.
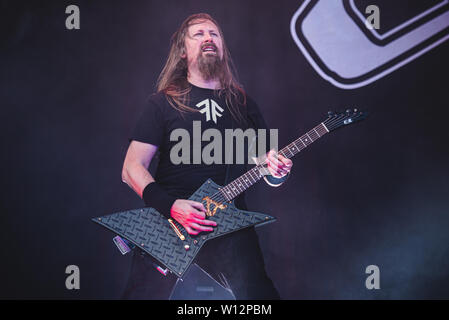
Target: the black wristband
(156, 197)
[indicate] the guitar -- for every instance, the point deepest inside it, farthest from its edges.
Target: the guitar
(167, 240)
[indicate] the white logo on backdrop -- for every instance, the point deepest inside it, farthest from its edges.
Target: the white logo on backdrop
(342, 54)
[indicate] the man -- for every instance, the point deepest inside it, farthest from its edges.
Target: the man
(198, 71)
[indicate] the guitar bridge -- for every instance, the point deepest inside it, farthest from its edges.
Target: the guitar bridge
(217, 205)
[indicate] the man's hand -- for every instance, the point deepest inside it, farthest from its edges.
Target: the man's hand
(278, 165)
(191, 215)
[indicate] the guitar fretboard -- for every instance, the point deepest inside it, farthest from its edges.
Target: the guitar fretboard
(239, 185)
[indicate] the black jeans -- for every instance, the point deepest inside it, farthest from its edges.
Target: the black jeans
(234, 260)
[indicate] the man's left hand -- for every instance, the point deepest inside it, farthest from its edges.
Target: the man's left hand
(278, 165)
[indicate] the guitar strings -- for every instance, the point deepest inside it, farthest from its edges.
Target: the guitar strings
(330, 124)
(218, 196)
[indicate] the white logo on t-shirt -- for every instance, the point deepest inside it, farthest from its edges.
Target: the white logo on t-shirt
(211, 108)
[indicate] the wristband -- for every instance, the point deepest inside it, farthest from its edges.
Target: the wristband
(156, 197)
(275, 182)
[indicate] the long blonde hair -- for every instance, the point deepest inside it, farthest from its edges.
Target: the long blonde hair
(173, 79)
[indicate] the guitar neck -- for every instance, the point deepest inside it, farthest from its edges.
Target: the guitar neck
(239, 185)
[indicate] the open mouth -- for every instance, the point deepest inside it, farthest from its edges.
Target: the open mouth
(209, 48)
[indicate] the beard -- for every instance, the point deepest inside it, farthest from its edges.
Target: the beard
(210, 66)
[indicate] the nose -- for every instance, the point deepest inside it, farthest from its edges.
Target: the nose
(208, 38)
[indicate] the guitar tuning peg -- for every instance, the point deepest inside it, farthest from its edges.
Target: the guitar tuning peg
(330, 113)
(348, 111)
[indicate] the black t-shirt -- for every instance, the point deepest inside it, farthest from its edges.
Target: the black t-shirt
(159, 119)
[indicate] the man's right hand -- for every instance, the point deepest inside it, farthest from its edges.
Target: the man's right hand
(191, 215)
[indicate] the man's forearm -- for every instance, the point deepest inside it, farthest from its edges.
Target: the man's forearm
(141, 181)
(137, 177)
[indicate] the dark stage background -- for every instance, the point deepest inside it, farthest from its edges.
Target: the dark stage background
(375, 193)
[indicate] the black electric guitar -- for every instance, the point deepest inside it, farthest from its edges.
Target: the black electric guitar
(168, 241)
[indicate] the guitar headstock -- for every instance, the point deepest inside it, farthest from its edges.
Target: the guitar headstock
(336, 120)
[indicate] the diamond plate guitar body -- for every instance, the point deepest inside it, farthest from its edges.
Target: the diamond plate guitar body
(151, 231)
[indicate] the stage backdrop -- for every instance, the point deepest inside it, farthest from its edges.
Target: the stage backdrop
(374, 193)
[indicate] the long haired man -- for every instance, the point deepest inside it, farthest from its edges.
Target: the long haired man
(199, 73)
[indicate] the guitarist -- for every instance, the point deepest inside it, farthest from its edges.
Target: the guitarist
(198, 74)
